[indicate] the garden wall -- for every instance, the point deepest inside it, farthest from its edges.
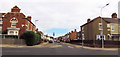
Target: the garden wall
(13, 41)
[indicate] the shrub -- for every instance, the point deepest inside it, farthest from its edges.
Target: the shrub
(38, 38)
(29, 37)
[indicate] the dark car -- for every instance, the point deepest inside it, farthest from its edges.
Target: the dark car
(67, 41)
(50, 41)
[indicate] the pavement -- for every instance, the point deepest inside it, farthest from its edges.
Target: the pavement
(42, 45)
(92, 48)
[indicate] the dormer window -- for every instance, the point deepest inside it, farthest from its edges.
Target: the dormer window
(13, 22)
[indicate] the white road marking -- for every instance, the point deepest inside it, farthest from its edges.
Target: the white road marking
(70, 47)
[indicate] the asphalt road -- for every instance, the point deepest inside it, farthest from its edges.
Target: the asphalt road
(64, 50)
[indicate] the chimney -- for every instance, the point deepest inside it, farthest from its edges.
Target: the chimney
(88, 20)
(114, 15)
(36, 30)
(72, 31)
(75, 30)
(29, 17)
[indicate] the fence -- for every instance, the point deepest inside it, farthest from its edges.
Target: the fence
(97, 43)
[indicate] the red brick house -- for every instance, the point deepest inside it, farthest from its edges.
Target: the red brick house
(15, 22)
(73, 35)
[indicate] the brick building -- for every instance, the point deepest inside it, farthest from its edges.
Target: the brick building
(73, 35)
(15, 22)
(1, 21)
(92, 29)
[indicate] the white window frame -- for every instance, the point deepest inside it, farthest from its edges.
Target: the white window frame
(1, 21)
(100, 26)
(13, 22)
(98, 37)
(11, 33)
(112, 27)
(119, 27)
(108, 25)
(82, 29)
(13, 25)
(28, 25)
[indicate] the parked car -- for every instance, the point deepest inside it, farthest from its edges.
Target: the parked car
(50, 41)
(67, 41)
(58, 41)
(55, 40)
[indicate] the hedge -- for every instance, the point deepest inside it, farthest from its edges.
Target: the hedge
(31, 38)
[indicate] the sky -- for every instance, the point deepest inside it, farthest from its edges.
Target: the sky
(61, 16)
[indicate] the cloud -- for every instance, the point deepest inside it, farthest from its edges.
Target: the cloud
(64, 14)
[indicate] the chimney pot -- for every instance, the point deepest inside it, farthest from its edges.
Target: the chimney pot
(75, 30)
(88, 20)
(72, 31)
(29, 17)
(114, 15)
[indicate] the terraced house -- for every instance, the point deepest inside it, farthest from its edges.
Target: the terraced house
(1, 22)
(14, 23)
(92, 29)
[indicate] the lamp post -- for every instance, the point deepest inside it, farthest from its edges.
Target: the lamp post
(35, 22)
(102, 26)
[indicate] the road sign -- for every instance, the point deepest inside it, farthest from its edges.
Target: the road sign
(53, 34)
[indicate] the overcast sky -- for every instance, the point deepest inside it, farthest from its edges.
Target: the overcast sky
(61, 16)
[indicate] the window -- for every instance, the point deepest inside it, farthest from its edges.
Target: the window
(2, 15)
(108, 27)
(0, 25)
(13, 25)
(13, 22)
(100, 26)
(82, 29)
(119, 27)
(98, 37)
(11, 32)
(83, 36)
(0, 21)
(28, 25)
(112, 27)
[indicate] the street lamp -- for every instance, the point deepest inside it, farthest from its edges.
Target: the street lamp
(102, 26)
(35, 22)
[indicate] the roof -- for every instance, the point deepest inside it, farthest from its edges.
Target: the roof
(29, 21)
(109, 20)
(15, 7)
(41, 32)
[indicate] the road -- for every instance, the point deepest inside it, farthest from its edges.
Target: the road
(63, 50)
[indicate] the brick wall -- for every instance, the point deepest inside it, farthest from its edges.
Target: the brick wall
(13, 41)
